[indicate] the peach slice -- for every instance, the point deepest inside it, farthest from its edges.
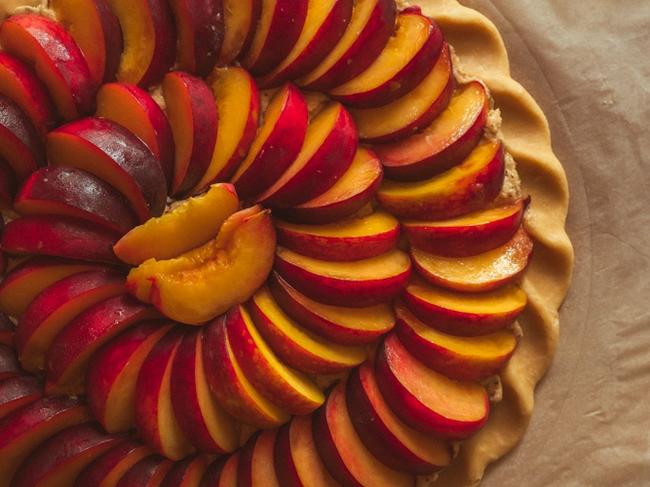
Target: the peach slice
(149, 40)
(352, 239)
(56, 306)
(193, 116)
(59, 63)
(327, 152)
(26, 428)
(75, 193)
(19, 83)
(199, 415)
(154, 412)
(347, 326)
(324, 26)
(470, 234)
(25, 281)
(349, 194)
(222, 472)
(21, 146)
(343, 452)
(148, 472)
(273, 378)
(238, 101)
(187, 225)
(187, 473)
(68, 355)
(405, 61)
(107, 470)
(112, 153)
(229, 383)
(477, 273)
(296, 459)
(19, 391)
(358, 283)
(464, 314)
(461, 358)
(256, 466)
(50, 465)
(468, 187)
(296, 346)
(391, 441)
(135, 109)
(444, 143)
(411, 112)
(276, 33)
(369, 29)
(113, 371)
(276, 144)
(97, 32)
(200, 28)
(240, 21)
(9, 365)
(427, 400)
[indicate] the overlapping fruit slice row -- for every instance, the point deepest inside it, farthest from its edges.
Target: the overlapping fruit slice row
(201, 391)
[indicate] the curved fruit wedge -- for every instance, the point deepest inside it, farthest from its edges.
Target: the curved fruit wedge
(324, 26)
(391, 441)
(107, 470)
(294, 390)
(296, 459)
(347, 326)
(59, 236)
(154, 412)
(352, 239)
(9, 364)
(97, 32)
(327, 152)
(19, 391)
(276, 144)
(477, 273)
(57, 60)
(349, 194)
(470, 234)
(25, 429)
(238, 101)
(464, 314)
(240, 20)
(68, 355)
(199, 415)
(443, 144)
(19, 83)
(276, 33)
(113, 372)
(343, 452)
(187, 225)
(468, 187)
(405, 61)
(50, 465)
(357, 284)
(21, 146)
(371, 25)
(188, 472)
(256, 465)
(229, 383)
(135, 109)
(74, 193)
(296, 346)
(222, 472)
(427, 400)
(148, 472)
(57, 306)
(192, 114)
(149, 40)
(460, 358)
(411, 112)
(112, 153)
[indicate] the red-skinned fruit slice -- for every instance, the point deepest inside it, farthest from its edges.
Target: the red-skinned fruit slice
(148, 472)
(107, 470)
(187, 472)
(9, 365)
(240, 21)
(7, 330)
(19, 391)
(8, 185)
(222, 472)
(20, 144)
(59, 63)
(255, 466)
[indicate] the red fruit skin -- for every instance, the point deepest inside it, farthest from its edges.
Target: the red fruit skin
(96, 472)
(9, 365)
(21, 145)
(17, 392)
(148, 472)
(7, 330)
(8, 186)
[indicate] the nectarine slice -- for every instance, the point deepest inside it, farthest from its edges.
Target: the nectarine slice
(327, 152)
(358, 283)
(425, 399)
(188, 225)
(19, 391)
(148, 472)
(20, 144)
(240, 20)
(468, 187)
(443, 144)
(295, 345)
(464, 314)
(256, 466)
(187, 472)
(107, 470)
(9, 365)
(477, 273)
(411, 112)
